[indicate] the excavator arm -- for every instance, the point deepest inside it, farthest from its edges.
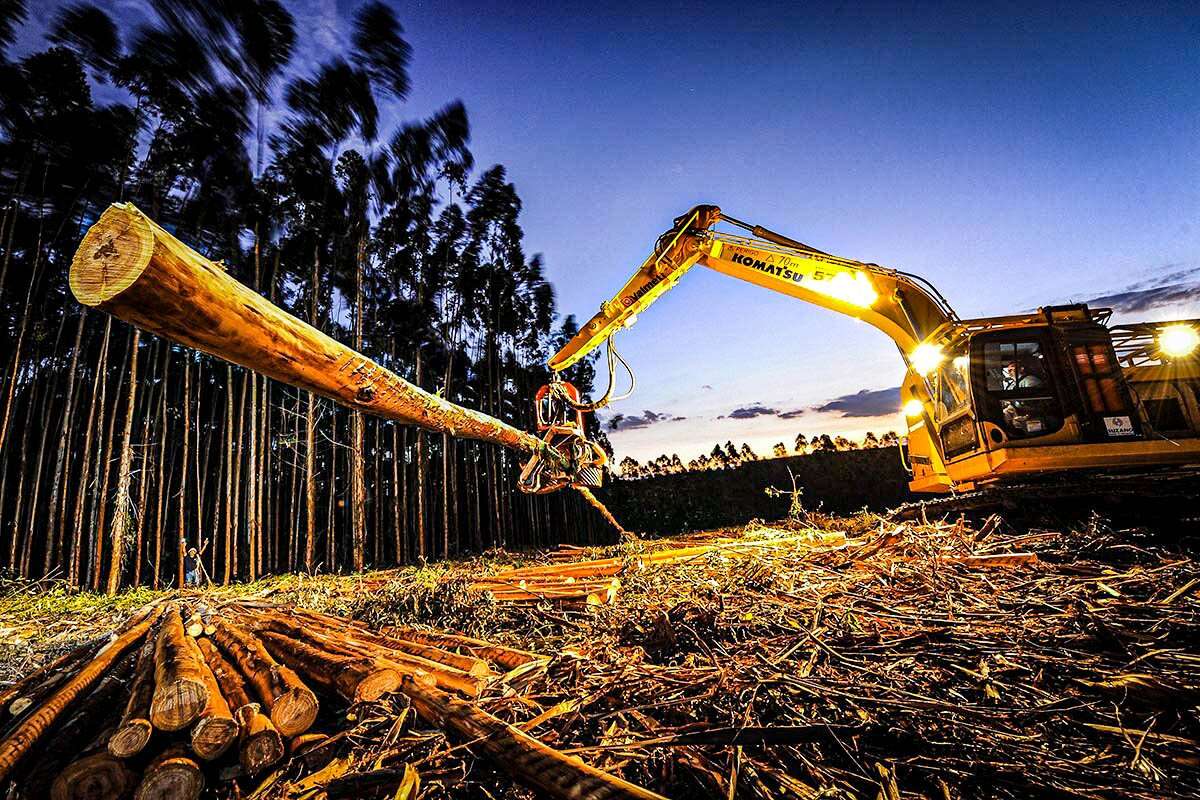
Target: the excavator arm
(903, 306)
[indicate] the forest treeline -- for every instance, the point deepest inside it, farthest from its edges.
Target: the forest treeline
(117, 450)
(729, 456)
(842, 481)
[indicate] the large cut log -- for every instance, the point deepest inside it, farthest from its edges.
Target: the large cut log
(233, 685)
(292, 705)
(130, 267)
(216, 729)
(174, 775)
(100, 776)
(542, 768)
(134, 729)
(260, 743)
(19, 742)
(180, 689)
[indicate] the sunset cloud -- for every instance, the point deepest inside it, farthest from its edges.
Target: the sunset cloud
(864, 403)
(1178, 288)
(624, 422)
(750, 412)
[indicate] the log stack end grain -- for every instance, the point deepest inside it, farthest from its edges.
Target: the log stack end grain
(100, 776)
(261, 745)
(174, 775)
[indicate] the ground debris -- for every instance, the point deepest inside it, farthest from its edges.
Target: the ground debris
(822, 657)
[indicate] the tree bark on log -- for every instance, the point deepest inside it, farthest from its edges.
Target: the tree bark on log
(347, 642)
(134, 729)
(507, 657)
(292, 705)
(30, 731)
(216, 729)
(471, 665)
(133, 269)
(523, 757)
(354, 678)
(174, 775)
(233, 685)
(100, 776)
(260, 743)
(180, 691)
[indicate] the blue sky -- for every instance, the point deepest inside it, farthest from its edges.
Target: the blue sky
(1016, 156)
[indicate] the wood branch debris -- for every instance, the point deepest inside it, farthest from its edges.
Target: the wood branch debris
(825, 658)
(571, 581)
(257, 676)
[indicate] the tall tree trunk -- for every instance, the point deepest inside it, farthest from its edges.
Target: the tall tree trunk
(101, 509)
(227, 515)
(181, 545)
(122, 519)
(358, 490)
(16, 553)
(144, 483)
(310, 428)
(54, 548)
(254, 475)
(160, 484)
(235, 500)
(84, 483)
(331, 507)
(420, 472)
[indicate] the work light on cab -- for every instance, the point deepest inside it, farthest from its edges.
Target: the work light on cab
(1178, 341)
(925, 358)
(913, 408)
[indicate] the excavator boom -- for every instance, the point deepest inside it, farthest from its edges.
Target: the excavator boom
(900, 305)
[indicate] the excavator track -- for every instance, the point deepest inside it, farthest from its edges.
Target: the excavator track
(1171, 494)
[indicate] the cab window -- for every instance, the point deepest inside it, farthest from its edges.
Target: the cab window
(951, 388)
(1017, 376)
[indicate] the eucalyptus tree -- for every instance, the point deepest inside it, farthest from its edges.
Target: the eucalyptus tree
(326, 109)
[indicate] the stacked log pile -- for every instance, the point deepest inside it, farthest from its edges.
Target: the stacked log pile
(184, 695)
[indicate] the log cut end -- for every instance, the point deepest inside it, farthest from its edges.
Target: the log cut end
(212, 736)
(113, 254)
(375, 684)
(171, 776)
(261, 745)
(294, 711)
(178, 705)
(96, 777)
(130, 738)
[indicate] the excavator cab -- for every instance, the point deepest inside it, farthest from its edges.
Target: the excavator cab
(1049, 392)
(559, 410)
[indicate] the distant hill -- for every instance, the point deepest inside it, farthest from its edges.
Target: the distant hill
(832, 481)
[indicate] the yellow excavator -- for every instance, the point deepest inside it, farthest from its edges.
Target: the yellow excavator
(990, 401)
